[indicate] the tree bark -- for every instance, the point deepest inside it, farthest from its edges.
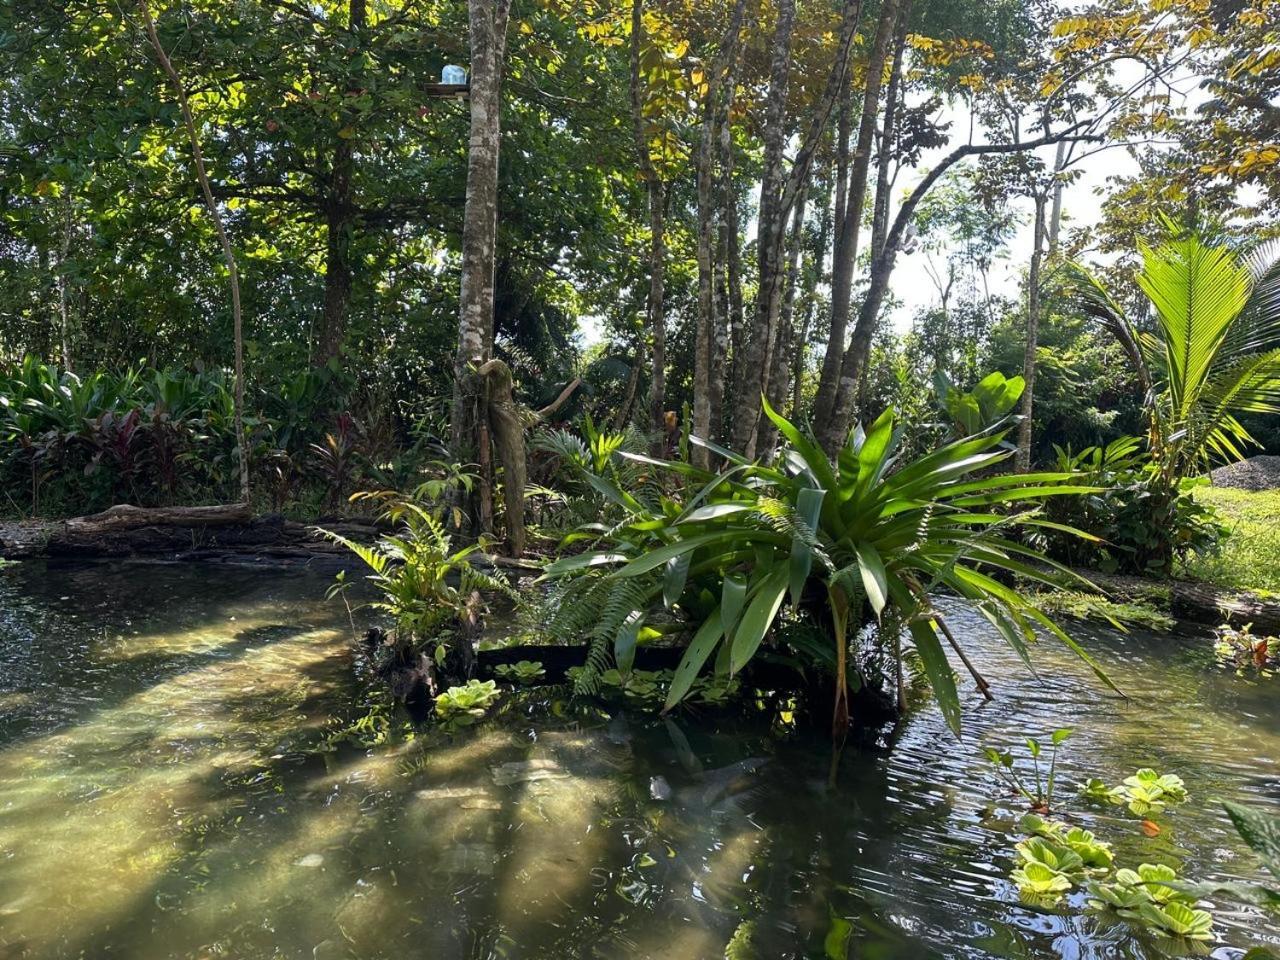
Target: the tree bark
(812, 279)
(841, 419)
(778, 196)
(784, 340)
(1022, 461)
(708, 321)
(488, 35)
(849, 220)
(64, 314)
(1055, 217)
(884, 156)
(228, 254)
(656, 193)
(771, 223)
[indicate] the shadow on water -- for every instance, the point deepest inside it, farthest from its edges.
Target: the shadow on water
(161, 796)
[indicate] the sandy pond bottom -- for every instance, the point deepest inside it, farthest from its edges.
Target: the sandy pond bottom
(161, 797)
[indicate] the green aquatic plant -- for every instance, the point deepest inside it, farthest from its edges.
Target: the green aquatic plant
(427, 587)
(1039, 790)
(1093, 852)
(522, 671)
(465, 704)
(1152, 896)
(1242, 651)
(1145, 793)
(862, 532)
(1038, 880)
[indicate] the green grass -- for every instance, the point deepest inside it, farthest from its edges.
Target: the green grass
(1250, 557)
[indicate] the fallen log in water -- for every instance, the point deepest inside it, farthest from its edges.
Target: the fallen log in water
(1195, 601)
(220, 532)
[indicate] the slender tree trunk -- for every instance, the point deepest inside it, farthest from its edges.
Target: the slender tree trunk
(228, 254)
(64, 314)
(655, 190)
(1023, 459)
(753, 371)
(812, 278)
(1055, 218)
(708, 320)
(849, 224)
(889, 136)
(884, 159)
(488, 35)
(784, 339)
(629, 396)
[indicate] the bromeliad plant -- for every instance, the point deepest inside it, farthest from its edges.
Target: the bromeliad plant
(863, 534)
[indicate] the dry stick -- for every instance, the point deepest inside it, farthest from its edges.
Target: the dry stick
(203, 176)
(977, 677)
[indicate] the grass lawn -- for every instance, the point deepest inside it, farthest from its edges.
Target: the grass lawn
(1250, 558)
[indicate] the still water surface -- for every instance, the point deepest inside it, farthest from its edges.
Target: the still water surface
(161, 796)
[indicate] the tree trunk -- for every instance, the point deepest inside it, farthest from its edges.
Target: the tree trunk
(753, 367)
(629, 396)
(784, 340)
(655, 189)
(850, 220)
(708, 320)
(64, 314)
(1055, 218)
(228, 254)
(488, 35)
(812, 279)
(884, 157)
(778, 196)
(1023, 460)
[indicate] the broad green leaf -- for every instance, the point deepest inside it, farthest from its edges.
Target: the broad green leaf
(758, 618)
(674, 579)
(733, 595)
(808, 508)
(695, 655)
(938, 669)
(874, 579)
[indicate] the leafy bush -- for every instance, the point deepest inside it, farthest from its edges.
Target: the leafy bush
(723, 559)
(1145, 527)
(428, 588)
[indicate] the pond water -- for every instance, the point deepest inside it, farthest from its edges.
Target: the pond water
(161, 796)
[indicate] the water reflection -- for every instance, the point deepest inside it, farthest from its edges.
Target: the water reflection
(160, 796)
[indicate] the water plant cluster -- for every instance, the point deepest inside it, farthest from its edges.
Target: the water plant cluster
(1057, 859)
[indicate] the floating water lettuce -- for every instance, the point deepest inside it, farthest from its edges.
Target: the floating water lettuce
(1040, 881)
(467, 703)
(1094, 853)
(1144, 793)
(1178, 920)
(522, 671)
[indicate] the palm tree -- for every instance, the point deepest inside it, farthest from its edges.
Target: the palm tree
(1213, 352)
